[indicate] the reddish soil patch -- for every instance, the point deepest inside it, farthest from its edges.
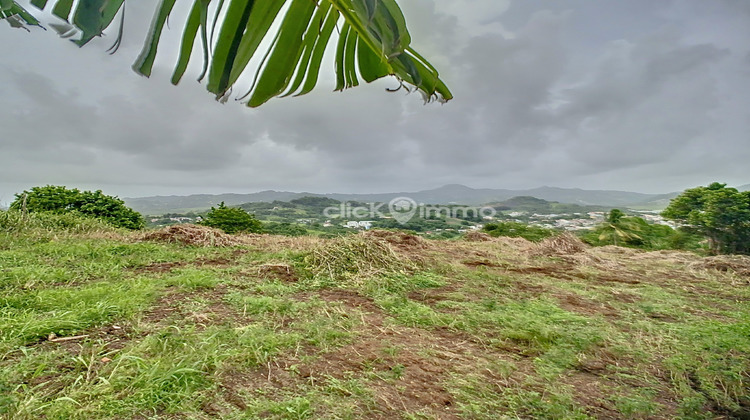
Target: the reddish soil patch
(480, 263)
(533, 289)
(574, 303)
(223, 262)
(624, 297)
(405, 368)
(350, 298)
(166, 306)
(163, 267)
(401, 379)
(166, 267)
(282, 272)
(569, 272)
(591, 393)
(557, 272)
(622, 278)
(433, 295)
(591, 381)
(216, 311)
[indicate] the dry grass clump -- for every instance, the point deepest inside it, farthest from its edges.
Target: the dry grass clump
(516, 244)
(564, 244)
(189, 234)
(280, 271)
(738, 264)
(613, 249)
(665, 256)
(279, 243)
(399, 239)
(475, 236)
(356, 256)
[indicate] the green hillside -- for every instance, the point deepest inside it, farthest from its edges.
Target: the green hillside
(187, 322)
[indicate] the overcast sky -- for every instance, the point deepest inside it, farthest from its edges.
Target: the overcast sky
(638, 95)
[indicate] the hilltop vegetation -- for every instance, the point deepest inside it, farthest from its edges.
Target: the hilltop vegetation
(62, 200)
(98, 322)
(538, 205)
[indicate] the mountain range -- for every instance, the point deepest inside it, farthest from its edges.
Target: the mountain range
(448, 194)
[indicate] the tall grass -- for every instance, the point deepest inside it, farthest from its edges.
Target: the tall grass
(14, 221)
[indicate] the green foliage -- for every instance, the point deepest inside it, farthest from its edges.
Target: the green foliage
(60, 200)
(518, 230)
(537, 205)
(316, 202)
(286, 229)
(720, 214)
(635, 232)
(232, 220)
(373, 41)
(619, 229)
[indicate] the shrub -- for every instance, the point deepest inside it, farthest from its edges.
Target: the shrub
(231, 220)
(60, 200)
(284, 228)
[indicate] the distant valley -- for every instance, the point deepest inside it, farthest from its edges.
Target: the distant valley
(448, 194)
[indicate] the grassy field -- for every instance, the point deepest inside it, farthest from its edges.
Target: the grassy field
(97, 324)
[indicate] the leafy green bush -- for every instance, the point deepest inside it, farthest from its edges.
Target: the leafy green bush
(284, 228)
(518, 230)
(231, 220)
(61, 200)
(635, 232)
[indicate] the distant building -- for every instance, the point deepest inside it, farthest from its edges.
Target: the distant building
(364, 224)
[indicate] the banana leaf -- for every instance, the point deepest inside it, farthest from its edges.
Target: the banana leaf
(372, 39)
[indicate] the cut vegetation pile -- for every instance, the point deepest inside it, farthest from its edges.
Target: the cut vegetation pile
(565, 244)
(356, 256)
(195, 235)
(401, 240)
(738, 264)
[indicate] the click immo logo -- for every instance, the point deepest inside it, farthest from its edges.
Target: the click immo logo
(403, 209)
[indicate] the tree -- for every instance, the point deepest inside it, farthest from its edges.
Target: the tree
(232, 220)
(373, 41)
(59, 199)
(720, 214)
(619, 229)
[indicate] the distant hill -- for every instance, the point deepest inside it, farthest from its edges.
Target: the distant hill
(658, 202)
(744, 188)
(199, 202)
(448, 194)
(538, 205)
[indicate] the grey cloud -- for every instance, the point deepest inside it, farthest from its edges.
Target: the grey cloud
(575, 93)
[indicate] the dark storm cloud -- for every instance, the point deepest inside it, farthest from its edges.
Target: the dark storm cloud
(637, 95)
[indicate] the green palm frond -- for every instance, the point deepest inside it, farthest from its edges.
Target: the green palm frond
(16, 15)
(373, 42)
